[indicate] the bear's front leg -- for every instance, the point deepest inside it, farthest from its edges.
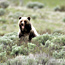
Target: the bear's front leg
(31, 35)
(20, 35)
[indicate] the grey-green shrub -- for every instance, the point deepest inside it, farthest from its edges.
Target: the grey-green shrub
(19, 50)
(35, 4)
(9, 38)
(57, 8)
(6, 41)
(4, 27)
(59, 39)
(3, 56)
(42, 38)
(1, 48)
(56, 38)
(4, 4)
(60, 8)
(15, 50)
(57, 62)
(51, 45)
(47, 43)
(2, 11)
(16, 15)
(34, 16)
(60, 54)
(30, 59)
(3, 20)
(31, 46)
(64, 19)
(3, 63)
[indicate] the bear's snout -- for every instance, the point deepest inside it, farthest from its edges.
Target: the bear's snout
(22, 24)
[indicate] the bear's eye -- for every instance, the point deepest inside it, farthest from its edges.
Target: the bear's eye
(20, 21)
(25, 21)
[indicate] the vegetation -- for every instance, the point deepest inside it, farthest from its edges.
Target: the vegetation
(35, 5)
(4, 4)
(2, 11)
(60, 8)
(48, 18)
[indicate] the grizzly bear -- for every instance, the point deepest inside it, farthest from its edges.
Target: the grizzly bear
(26, 28)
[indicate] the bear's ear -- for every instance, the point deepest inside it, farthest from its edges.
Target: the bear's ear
(19, 17)
(28, 18)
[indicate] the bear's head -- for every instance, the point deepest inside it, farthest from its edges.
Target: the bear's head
(24, 23)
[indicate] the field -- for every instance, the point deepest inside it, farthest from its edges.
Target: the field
(48, 18)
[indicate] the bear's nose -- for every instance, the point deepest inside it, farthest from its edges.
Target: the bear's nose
(22, 24)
